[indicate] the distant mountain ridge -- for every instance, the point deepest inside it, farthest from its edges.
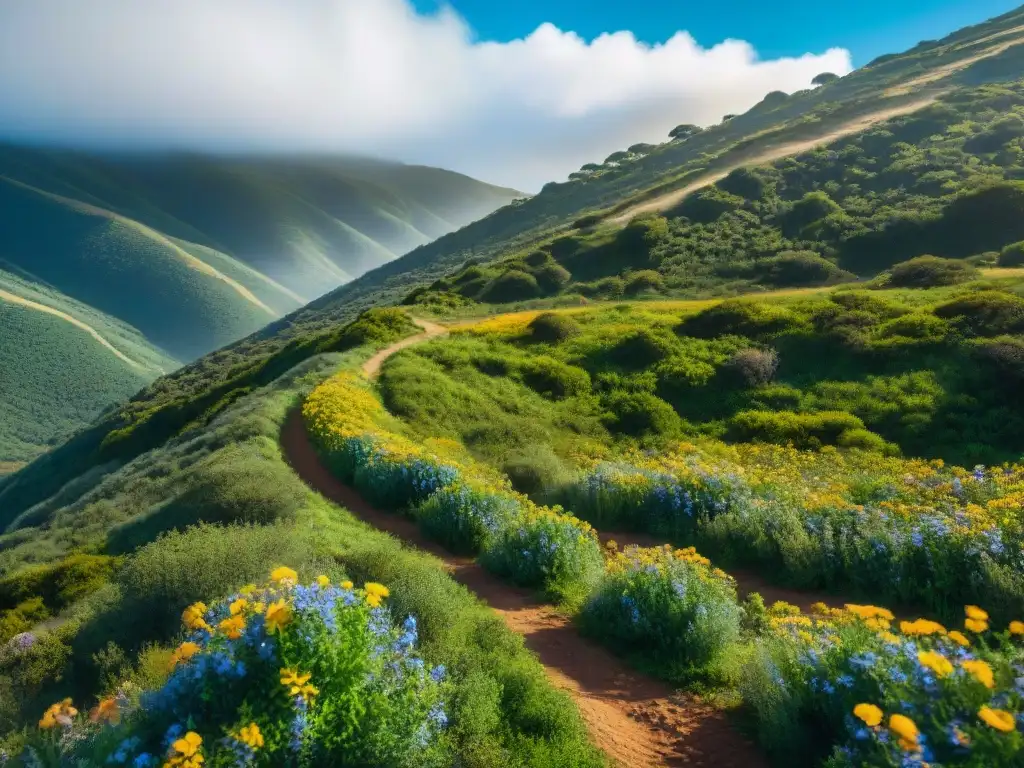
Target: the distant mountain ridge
(191, 252)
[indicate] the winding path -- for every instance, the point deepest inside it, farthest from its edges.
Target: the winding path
(638, 721)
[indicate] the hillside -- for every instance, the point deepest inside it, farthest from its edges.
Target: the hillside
(710, 456)
(192, 253)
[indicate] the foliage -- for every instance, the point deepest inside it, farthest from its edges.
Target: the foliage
(851, 687)
(273, 675)
(930, 272)
(667, 609)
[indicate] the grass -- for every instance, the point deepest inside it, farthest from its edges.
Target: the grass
(503, 708)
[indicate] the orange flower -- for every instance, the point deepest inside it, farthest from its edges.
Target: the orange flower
(278, 615)
(981, 672)
(232, 627)
(999, 719)
(106, 711)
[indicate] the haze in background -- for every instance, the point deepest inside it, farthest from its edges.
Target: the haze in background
(370, 77)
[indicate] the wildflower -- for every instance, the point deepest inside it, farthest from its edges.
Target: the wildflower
(184, 751)
(922, 627)
(981, 672)
(61, 713)
(375, 593)
(936, 662)
(346, 584)
(248, 590)
(284, 576)
(999, 719)
(193, 617)
(905, 728)
(976, 625)
(232, 627)
(250, 736)
(277, 616)
(184, 652)
(867, 612)
(974, 612)
(298, 684)
(1017, 627)
(323, 581)
(869, 713)
(106, 711)
(959, 638)
(238, 606)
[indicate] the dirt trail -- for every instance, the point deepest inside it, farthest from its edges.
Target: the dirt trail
(638, 721)
(430, 331)
(956, 66)
(22, 302)
(670, 199)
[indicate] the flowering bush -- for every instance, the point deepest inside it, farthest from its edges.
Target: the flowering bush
(668, 607)
(279, 675)
(911, 531)
(545, 549)
(466, 516)
(870, 691)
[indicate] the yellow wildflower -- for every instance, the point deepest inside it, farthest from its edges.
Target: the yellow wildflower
(347, 584)
(250, 736)
(870, 612)
(238, 606)
(232, 627)
(936, 662)
(981, 672)
(323, 581)
(278, 615)
(959, 638)
(61, 713)
(922, 627)
(869, 713)
(248, 590)
(974, 612)
(999, 719)
(375, 593)
(284, 576)
(976, 625)
(298, 683)
(1017, 627)
(193, 617)
(905, 728)
(188, 745)
(184, 652)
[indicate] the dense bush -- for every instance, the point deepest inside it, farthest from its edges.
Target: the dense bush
(666, 609)
(803, 430)
(795, 268)
(554, 378)
(274, 675)
(641, 349)
(643, 281)
(60, 584)
(640, 414)
(930, 272)
(513, 285)
(1012, 255)
(553, 327)
(740, 317)
(986, 313)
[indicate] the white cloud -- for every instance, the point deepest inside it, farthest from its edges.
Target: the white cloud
(364, 76)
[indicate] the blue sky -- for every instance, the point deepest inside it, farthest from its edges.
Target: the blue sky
(867, 28)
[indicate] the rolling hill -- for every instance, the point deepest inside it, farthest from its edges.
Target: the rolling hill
(783, 341)
(192, 252)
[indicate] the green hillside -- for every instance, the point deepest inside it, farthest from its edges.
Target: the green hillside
(194, 252)
(61, 364)
(792, 343)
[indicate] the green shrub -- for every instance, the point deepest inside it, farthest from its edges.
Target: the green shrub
(534, 471)
(551, 277)
(553, 327)
(796, 268)
(985, 313)
(810, 209)
(930, 272)
(464, 518)
(59, 584)
(605, 288)
(749, 183)
(707, 205)
(863, 439)
(1012, 255)
(642, 281)
(668, 611)
(640, 414)
(554, 378)
(641, 349)
(22, 618)
(917, 325)
(740, 317)
(514, 285)
(803, 430)
(1005, 355)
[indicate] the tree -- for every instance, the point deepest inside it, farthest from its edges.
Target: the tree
(642, 149)
(824, 78)
(590, 167)
(617, 157)
(727, 118)
(684, 131)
